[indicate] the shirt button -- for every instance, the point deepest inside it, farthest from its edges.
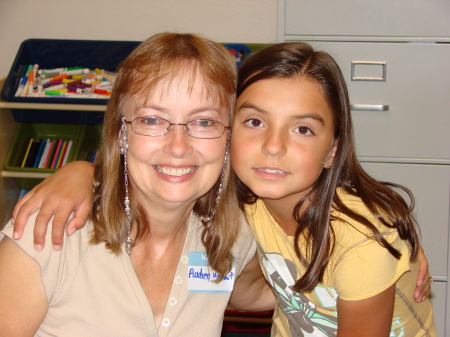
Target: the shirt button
(184, 259)
(173, 301)
(165, 322)
(178, 280)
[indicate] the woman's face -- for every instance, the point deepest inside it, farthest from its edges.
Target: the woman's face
(282, 137)
(175, 169)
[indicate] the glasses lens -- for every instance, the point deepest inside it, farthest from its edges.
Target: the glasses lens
(204, 128)
(150, 126)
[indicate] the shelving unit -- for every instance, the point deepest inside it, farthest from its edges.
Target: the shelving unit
(398, 76)
(9, 191)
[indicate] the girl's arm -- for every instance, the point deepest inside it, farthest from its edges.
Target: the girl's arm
(68, 190)
(251, 291)
(371, 317)
(23, 303)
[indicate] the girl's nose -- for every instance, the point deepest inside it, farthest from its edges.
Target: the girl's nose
(274, 143)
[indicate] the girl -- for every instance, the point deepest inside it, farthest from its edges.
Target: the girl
(332, 241)
(338, 247)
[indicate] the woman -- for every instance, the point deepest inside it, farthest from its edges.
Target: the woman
(159, 246)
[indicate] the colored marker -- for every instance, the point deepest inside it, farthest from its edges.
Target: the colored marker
(56, 87)
(94, 76)
(25, 88)
(76, 71)
(97, 91)
(31, 82)
(22, 83)
(110, 76)
(57, 70)
(54, 92)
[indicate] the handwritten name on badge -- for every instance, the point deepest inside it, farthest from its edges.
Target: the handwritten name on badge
(201, 277)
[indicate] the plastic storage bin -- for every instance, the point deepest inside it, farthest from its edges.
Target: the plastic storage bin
(21, 139)
(48, 53)
(106, 55)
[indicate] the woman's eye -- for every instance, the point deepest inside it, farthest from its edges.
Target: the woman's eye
(303, 130)
(254, 123)
(151, 120)
(202, 122)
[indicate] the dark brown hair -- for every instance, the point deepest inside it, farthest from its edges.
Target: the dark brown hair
(162, 58)
(297, 59)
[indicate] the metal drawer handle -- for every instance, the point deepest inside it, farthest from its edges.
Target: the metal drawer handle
(369, 107)
(381, 78)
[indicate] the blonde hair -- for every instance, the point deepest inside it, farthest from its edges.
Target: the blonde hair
(162, 58)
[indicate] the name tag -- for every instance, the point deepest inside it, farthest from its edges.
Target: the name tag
(201, 277)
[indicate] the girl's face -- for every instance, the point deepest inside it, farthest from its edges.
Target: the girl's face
(282, 137)
(175, 169)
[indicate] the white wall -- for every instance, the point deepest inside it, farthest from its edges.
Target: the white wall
(251, 21)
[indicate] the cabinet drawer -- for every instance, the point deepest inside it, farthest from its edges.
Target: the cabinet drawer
(415, 90)
(439, 302)
(430, 186)
(413, 18)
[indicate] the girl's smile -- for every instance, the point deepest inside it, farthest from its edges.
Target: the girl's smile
(270, 173)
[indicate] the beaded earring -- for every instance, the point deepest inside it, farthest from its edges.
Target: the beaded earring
(219, 191)
(123, 152)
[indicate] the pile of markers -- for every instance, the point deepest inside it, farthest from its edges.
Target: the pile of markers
(50, 154)
(75, 82)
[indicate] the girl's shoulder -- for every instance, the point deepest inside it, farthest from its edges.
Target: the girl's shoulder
(345, 225)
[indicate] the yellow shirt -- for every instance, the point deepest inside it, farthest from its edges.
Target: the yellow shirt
(359, 268)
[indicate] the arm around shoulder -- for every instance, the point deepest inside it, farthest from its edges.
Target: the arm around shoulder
(66, 191)
(23, 303)
(251, 291)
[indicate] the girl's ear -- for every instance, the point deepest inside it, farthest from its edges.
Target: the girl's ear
(330, 158)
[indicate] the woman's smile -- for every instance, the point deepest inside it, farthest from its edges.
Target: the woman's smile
(173, 171)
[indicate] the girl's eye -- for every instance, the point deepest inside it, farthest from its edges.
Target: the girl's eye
(254, 123)
(303, 130)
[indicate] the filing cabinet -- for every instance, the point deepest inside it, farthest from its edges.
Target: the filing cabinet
(395, 57)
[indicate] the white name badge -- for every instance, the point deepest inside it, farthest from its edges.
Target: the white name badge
(201, 277)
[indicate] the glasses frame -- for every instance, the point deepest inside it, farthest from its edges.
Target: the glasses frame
(171, 125)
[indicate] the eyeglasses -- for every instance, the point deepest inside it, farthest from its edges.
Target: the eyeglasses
(155, 127)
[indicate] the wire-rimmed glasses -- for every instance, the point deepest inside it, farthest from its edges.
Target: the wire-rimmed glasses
(156, 126)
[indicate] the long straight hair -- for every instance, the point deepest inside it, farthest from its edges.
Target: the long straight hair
(162, 58)
(297, 59)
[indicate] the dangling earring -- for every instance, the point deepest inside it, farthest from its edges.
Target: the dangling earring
(219, 191)
(123, 152)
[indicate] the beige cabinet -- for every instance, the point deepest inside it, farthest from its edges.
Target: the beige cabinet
(395, 56)
(360, 19)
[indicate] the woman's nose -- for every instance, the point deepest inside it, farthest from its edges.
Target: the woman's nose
(177, 142)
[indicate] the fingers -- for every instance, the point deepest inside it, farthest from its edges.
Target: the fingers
(423, 267)
(20, 203)
(423, 290)
(21, 212)
(59, 222)
(79, 218)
